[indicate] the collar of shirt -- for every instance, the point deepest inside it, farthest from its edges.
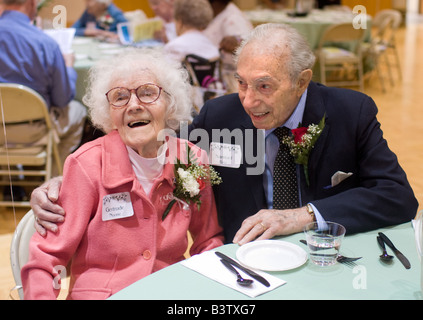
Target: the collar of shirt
(16, 16)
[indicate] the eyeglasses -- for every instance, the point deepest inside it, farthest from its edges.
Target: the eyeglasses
(146, 93)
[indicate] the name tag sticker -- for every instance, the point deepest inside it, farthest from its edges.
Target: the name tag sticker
(117, 206)
(225, 155)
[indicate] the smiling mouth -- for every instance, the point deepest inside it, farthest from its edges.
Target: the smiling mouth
(140, 123)
(259, 115)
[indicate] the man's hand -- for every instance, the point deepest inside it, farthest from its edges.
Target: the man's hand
(47, 213)
(69, 59)
(267, 224)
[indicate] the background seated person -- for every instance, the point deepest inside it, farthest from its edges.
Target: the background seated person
(163, 9)
(100, 19)
(191, 18)
(227, 28)
(116, 188)
(31, 58)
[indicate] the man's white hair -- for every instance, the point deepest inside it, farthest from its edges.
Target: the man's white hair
(278, 40)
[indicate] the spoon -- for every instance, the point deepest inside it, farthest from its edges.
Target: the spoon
(384, 256)
(241, 281)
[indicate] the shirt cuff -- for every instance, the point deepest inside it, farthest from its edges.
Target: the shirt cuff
(319, 219)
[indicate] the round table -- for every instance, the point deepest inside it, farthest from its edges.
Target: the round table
(371, 279)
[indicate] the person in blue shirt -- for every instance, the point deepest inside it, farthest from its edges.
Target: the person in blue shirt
(100, 19)
(31, 58)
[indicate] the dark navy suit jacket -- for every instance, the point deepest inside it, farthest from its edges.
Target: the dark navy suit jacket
(376, 195)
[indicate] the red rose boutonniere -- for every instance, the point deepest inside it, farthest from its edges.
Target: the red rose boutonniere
(302, 142)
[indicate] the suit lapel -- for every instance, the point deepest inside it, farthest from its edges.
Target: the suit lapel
(254, 181)
(313, 113)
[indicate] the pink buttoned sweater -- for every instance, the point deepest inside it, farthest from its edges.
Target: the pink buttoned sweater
(107, 256)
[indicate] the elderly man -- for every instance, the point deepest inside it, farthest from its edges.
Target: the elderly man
(369, 189)
(351, 176)
(31, 58)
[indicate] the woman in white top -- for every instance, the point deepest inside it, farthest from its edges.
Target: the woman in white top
(191, 18)
(227, 28)
(228, 20)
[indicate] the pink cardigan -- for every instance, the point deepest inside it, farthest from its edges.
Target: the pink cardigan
(106, 256)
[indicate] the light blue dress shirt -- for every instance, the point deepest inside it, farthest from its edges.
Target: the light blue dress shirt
(272, 147)
(30, 57)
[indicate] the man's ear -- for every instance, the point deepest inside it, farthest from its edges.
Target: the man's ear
(303, 81)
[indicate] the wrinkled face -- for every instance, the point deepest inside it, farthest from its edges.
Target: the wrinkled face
(139, 123)
(95, 8)
(162, 8)
(265, 89)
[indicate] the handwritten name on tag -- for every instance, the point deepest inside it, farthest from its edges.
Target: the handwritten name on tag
(225, 155)
(117, 206)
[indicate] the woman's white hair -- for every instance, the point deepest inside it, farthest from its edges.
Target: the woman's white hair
(280, 39)
(170, 75)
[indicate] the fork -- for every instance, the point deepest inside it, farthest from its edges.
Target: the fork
(349, 261)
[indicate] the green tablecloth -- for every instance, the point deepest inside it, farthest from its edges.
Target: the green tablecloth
(370, 279)
(311, 26)
(87, 52)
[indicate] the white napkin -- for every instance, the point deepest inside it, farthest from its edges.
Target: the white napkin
(209, 265)
(63, 37)
(338, 177)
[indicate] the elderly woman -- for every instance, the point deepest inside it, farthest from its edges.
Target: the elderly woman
(116, 188)
(191, 18)
(163, 9)
(100, 19)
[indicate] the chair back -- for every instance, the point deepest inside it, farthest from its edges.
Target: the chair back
(19, 248)
(343, 32)
(383, 16)
(387, 23)
(206, 78)
(22, 104)
(201, 70)
(26, 155)
(341, 44)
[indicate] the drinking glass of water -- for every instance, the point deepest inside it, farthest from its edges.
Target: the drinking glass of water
(324, 242)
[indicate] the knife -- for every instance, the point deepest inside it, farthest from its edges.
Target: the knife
(251, 273)
(399, 255)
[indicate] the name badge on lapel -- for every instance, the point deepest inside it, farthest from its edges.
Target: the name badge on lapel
(225, 155)
(117, 206)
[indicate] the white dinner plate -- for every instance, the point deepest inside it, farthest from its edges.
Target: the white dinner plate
(271, 255)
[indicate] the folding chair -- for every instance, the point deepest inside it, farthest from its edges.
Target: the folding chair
(25, 164)
(19, 249)
(383, 43)
(340, 48)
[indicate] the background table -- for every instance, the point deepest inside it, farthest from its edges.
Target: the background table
(311, 26)
(87, 52)
(306, 282)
